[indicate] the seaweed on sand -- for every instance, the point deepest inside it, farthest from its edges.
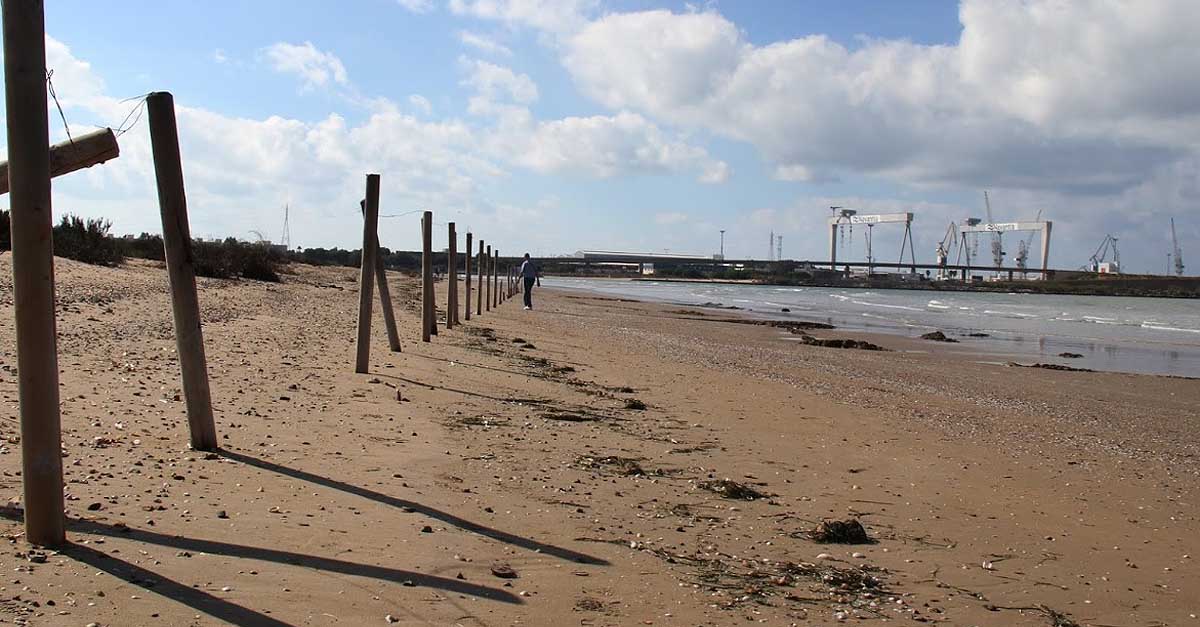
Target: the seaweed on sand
(731, 489)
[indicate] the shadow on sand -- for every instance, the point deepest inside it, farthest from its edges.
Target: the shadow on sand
(446, 517)
(220, 608)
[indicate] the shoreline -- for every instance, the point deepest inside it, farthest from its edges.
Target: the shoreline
(1006, 344)
(504, 473)
(915, 286)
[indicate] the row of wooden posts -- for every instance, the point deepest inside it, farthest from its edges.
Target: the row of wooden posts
(26, 178)
(491, 290)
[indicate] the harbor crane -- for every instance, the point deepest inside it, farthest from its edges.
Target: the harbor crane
(843, 217)
(1097, 262)
(1022, 257)
(997, 236)
(949, 241)
(1176, 253)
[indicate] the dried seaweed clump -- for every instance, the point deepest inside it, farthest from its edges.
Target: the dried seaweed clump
(849, 531)
(732, 490)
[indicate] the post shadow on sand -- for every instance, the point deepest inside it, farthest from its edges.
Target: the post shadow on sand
(196, 599)
(446, 517)
(225, 610)
(441, 387)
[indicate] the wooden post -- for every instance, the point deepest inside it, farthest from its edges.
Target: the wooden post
(467, 276)
(84, 151)
(488, 262)
(496, 278)
(366, 277)
(177, 246)
(452, 278)
(479, 299)
(385, 293)
(385, 300)
(427, 310)
(33, 270)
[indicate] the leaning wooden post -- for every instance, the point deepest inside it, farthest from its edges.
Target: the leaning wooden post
(366, 277)
(479, 299)
(33, 270)
(427, 311)
(496, 278)
(177, 246)
(385, 301)
(467, 276)
(452, 278)
(487, 301)
(385, 294)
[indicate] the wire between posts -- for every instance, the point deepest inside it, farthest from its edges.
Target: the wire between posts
(53, 95)
(130, 118)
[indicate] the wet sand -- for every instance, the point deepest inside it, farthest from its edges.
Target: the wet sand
(479, 480)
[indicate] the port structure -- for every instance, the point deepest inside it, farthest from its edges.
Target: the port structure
(843, 217)
(974, 226)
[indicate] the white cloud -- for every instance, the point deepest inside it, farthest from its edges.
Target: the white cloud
(483, 43)
(493, 82)
(314, 67)
(417, 6)
(1082, 97)
(219, 56)
(555, 16)
(420, 103)
(599, 146)
(603, 146)
(715, 172)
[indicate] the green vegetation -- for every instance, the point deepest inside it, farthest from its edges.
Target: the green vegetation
(88, 241)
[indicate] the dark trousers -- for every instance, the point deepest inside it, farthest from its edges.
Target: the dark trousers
(529, 291)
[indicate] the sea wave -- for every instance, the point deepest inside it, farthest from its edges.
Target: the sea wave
(1160, 327)
(870, 304)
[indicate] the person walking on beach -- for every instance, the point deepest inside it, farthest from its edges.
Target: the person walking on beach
(529, 274)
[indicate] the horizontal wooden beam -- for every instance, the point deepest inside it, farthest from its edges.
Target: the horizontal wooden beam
(66, 157)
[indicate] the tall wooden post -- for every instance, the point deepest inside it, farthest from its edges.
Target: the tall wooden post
(177, 246)
(487, 301)
(467, 276)
(33, 270)
(366, 278)
(427, 310)
(452, 279)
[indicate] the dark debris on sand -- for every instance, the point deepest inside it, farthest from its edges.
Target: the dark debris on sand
(849, 531)
(731, 489)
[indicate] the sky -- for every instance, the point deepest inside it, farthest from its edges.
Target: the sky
(552, 126)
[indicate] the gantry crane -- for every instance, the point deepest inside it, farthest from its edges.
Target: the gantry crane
(843, 216)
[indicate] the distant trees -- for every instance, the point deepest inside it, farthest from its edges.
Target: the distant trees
(88, 241)
(91, 241)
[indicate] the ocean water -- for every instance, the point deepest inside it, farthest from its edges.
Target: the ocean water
(1120, 334)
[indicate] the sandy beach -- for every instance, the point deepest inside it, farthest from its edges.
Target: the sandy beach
(568, 466)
